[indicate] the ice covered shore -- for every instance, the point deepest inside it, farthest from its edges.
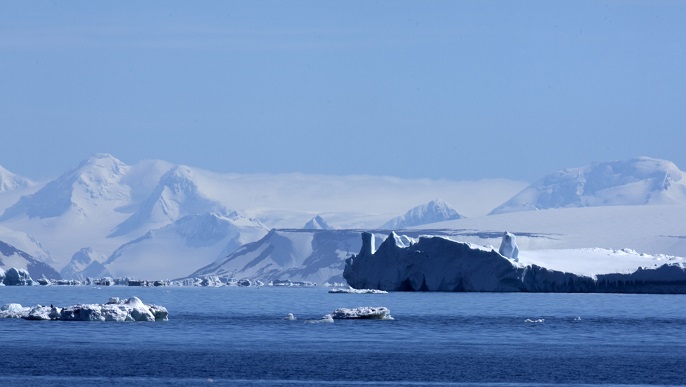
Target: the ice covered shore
(441, 264)
(132, 309)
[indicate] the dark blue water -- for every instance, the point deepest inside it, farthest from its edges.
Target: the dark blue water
(220, 336)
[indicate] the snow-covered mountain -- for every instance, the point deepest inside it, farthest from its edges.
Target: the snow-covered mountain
(176, 195)
(190, 242)
(10, 257)
(298, 255)
(86, 263)
(434, 211)
(93, 183)
(26, 243)
(317, 223)
(12, 182)
(637, 181)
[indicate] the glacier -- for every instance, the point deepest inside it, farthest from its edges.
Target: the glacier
(439, 264)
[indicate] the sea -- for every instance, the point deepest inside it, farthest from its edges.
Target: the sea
(238, 336)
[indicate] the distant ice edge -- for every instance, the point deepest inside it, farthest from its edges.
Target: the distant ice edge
(439, 264)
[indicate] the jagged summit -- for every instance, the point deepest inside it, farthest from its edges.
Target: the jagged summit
(94, 179)
(637, 181)
(317, 223)
(12, 182)
(434, 211)
(176, 195)
(85, 263)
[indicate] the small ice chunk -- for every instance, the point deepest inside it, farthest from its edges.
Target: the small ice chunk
(365, 312)
(358, 291)
(327, 318)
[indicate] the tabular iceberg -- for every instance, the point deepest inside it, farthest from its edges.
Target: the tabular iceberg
(440, 264)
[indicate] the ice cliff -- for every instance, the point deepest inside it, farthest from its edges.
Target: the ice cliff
(440, 264)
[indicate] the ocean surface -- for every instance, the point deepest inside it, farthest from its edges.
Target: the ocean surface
(237, 336)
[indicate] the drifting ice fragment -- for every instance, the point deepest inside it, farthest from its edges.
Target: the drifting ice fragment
(365, 312)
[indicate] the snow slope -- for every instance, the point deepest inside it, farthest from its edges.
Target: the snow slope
(26, 243)
(179, 248)
(11, 257)
(434, 211)
(12, 182)
(176, 195)
(637, 181)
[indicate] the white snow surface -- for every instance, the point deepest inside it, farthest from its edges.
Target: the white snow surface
(646, 229)
(594, 261)
(12, 182)
(637, 181)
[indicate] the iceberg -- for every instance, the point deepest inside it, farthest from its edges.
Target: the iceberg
(17, 277)
(440, 264)
(508, 246)
(132, 309)
(357, 291)
(327, 318)
(363, 313)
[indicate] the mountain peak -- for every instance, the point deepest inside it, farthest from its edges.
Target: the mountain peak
(11, 182)
(96, 178)
(176, 195)
(637, 181)
(434, 211)
(317, 223)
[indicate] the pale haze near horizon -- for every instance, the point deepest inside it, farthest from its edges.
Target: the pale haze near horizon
(440, 90)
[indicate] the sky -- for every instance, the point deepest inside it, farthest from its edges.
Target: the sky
(457, 90)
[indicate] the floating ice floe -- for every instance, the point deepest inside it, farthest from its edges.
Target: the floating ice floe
(327, 318)
(365, 312)
(357, 291)
(132, 309)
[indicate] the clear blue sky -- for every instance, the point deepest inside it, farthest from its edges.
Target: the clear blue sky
(438, 89)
